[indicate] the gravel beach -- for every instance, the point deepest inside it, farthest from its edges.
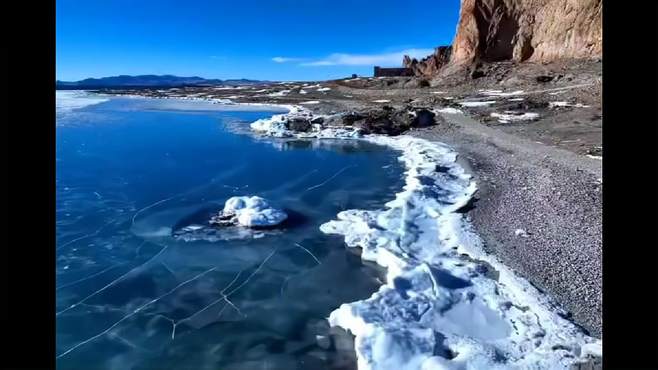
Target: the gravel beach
(538, 209)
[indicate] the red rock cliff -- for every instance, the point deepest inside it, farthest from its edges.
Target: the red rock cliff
(520, 30)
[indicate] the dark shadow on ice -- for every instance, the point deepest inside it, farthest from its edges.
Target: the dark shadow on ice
(401, 286)
(469, 206)
(440, 349)
(447, 280)
(199, 217)
(295, 219)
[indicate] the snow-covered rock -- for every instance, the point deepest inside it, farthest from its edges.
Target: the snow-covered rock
(249, 212)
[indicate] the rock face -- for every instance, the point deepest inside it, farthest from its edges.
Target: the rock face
(430, 65)
(519, 30)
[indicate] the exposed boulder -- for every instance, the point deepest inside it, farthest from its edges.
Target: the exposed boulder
(299, 124)
(351, 117)
(317, 120)
(391, 121)
(424, 118)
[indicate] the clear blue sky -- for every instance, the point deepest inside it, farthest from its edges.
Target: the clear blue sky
(257, 39)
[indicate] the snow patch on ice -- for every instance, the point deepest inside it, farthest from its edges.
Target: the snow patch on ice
(381, 101)
(311, 102)
(476, 103)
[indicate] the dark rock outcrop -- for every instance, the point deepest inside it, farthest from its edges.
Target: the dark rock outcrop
(429, 65)
(299, 124)
(388, 120)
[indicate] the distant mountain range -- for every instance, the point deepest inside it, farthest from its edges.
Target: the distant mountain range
(125, 81)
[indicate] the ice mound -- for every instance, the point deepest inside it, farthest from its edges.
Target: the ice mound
(249, 212)
(445, 304)
(275, 126)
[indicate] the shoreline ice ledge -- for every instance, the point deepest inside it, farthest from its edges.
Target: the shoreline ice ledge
(446, 303)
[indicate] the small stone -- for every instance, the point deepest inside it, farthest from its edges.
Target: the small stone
(522, 233)
(544, 79)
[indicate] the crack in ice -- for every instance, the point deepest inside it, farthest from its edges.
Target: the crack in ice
(136, 311)
(151, 206)
(111, 283)
(88, 277)
(309, 252)
(329, 179)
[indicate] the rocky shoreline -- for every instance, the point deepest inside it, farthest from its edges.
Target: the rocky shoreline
(530, 135)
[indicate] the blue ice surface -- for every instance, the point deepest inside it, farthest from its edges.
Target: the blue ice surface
(130, 295)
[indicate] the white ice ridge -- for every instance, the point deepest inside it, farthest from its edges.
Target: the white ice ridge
(442, 306)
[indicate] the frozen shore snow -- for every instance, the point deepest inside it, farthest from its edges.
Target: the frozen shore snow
(442, 306)
(446, 304)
